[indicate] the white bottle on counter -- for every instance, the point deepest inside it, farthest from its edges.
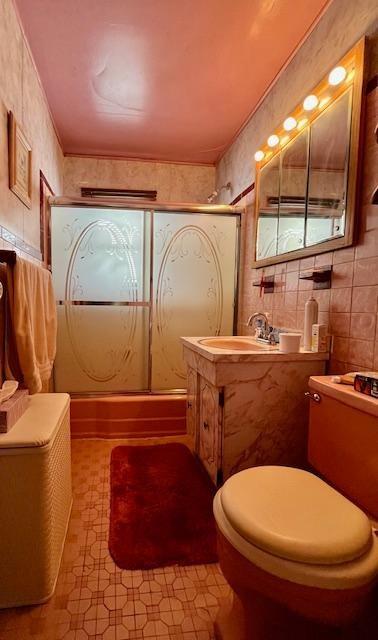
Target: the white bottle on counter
(310, 318)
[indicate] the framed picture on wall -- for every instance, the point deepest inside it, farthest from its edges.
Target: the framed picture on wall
(45, 191)
(20, 162)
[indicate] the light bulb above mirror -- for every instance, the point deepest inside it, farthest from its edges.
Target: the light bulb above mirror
(273, 140)
(290, 123)
(310, 108)
(337, 75)
(310, 102)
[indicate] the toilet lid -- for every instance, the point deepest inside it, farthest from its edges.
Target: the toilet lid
(293, 514)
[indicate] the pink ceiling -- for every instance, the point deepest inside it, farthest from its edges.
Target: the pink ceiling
(160, 79)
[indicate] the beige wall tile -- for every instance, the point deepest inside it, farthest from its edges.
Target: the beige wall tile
(322, 297)
(344, 255)
(291, 300)
(303, 296)
(362, 325)
(338, 367)
(342, 275)
(306, 263)
(293, 265)
(323, 259)
(365, 299)
(375, 362)
(369, 215)
(341, 300)
(361, 353)
(340, 324)
(340, 349)
(323, 318)
(365, 272)
(369, 243)
(305, 285)
(292, 281)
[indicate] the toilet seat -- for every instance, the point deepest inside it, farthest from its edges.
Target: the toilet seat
(295, 515)
(262, 526)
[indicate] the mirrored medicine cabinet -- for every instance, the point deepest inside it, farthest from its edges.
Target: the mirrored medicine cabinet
(306, 173)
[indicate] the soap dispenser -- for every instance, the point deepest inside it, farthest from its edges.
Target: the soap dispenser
(310, 318)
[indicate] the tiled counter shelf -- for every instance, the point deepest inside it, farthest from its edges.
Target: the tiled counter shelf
(248, 408)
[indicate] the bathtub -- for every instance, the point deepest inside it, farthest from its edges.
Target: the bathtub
(128, 416)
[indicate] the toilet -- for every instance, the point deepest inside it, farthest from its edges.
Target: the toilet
(299, 548)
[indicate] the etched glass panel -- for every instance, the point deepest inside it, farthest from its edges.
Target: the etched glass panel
(102, 348)
(99, 254)
(100, 260)
(194, 284)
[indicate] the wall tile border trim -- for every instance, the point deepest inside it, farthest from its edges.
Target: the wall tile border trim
(19, 243)
(243, 193)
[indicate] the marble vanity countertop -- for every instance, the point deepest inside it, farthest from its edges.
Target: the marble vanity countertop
(257, 353)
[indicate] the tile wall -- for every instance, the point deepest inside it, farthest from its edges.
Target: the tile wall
(350, 306)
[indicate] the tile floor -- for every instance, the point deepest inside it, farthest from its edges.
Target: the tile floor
(94, 599)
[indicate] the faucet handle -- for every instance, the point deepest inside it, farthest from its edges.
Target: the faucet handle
(273, 336)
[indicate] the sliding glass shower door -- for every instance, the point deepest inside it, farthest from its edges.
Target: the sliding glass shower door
(128, 284)
(194, 287)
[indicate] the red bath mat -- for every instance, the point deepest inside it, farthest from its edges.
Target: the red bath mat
(160, 508)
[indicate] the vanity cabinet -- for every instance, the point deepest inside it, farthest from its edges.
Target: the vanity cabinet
(204, 420)
(248, 409)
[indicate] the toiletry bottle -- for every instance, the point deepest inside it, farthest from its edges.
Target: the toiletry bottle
(319, 338)
(310, 318)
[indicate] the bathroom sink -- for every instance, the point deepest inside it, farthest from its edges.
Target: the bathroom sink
(235, 343)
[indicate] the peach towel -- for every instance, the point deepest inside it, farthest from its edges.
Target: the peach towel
(34, 320)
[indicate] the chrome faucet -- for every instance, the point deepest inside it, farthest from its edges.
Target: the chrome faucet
(266, 332)
(258, 316)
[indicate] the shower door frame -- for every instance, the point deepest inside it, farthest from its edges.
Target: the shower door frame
(146, 206)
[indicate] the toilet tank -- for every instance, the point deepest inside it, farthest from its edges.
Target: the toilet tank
(343, 441)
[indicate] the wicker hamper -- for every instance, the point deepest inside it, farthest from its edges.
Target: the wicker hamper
(35, 500)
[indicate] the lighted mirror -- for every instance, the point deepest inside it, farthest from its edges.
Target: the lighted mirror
(292, 201)
(268, 218)
(306, 186)
(328, 172)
